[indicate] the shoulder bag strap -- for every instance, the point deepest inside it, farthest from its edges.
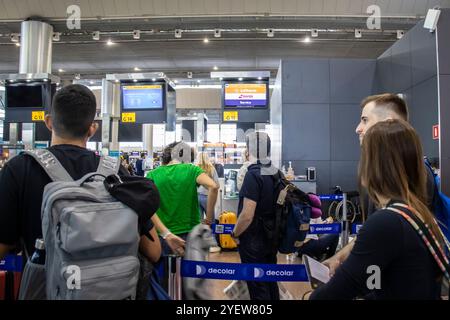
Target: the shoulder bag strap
(108, 166)
(50, 164)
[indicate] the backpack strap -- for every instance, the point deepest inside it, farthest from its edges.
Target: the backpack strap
(108, 166)
(50, 164)
(426, 235)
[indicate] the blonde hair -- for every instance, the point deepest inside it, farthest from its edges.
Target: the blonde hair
(205, 164)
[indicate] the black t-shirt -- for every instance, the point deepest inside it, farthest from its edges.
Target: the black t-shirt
(386, 240)
(259, 188)
(22, 183)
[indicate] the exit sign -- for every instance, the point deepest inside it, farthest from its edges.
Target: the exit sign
(436, 132)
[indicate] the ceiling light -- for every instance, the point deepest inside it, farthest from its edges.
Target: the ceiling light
(109, 42)
(96, 35)
(45, 80)
(220, 78)
(117, 80)
(259, 78)
(216, 68)
(314, 33)
(217, 33)
(198, 81)
(91, 82)
(136, 34)
(60, 70)
(153, 79)
(307, 40)
(400, 34)
(17, 44)
(358, 33)
(135, 80)
(240, 79)
(56, 36)
(206, 40)
(175, 81)
(178, 33)
(28, 80)
(15, 37)
(137, 69)
(270, 33)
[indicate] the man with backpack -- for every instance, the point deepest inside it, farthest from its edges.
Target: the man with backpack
(140, 164)
(257, 200)
(23, 179)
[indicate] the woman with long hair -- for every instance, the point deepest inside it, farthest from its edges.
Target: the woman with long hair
(398, 249)
(206, 165)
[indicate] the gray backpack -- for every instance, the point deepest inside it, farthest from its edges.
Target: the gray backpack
(91, 239)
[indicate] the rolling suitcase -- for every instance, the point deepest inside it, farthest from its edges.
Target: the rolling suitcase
(225, 240)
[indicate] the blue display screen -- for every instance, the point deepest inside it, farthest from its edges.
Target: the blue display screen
(142, 97)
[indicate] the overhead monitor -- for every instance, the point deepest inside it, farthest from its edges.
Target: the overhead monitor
(245, 95)
(142, 96)
(27, 94)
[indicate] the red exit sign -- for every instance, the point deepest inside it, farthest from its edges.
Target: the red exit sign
(436, 132)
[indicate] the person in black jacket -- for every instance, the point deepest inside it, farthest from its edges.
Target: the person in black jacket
(374, 109)
(22, 180)
(390, 260)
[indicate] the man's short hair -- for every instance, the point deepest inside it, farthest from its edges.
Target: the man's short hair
(388, 102)
(73, 111)
(258, 145)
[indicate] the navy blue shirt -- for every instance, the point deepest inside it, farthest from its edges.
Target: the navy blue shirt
(259, 188)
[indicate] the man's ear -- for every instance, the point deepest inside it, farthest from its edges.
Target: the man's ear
(48, 121)
(92, 129)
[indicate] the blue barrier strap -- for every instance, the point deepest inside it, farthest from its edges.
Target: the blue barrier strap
(222, 228)
(331, 197)
(243, 271)
(325, 228)
(11, 263)
(355, 228)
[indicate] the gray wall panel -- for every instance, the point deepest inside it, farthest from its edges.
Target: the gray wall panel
(351, 79)
(423, 54)
(401, 64)
(322, 172)
(383, 73)
(306, 81)
(344, 174)
(444, 83)
(344, 141)
(424, 114)
(442, 33)
(306, 131)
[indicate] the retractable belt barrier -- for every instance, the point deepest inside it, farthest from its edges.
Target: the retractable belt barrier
(243, 271)
(325, 228)
(12, 263)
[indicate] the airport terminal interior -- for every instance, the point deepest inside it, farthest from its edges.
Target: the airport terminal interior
(212, 75)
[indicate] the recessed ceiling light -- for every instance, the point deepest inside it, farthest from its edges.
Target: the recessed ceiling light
(175, 81)
(109, 42)
(17, 44)
(153, 79)
(60, 70)
(307, 40)
(240, 79)
(135, 80)
(45, 80)
(117, 80)
(216, 68)
(198, 81)
(137, 69)
(220, 78)
(28, 80)
(259, 78)
(206, 40)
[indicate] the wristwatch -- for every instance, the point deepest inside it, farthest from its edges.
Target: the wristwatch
(165, 234)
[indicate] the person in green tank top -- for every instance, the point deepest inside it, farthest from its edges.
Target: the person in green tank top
(177, 181)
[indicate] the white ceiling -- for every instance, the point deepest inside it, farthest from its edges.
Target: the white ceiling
(250, 49)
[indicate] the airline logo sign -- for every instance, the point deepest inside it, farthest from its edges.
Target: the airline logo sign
(245, 94)
(247, 272)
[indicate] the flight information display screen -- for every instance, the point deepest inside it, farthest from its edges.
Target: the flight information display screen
(142, 97)
(25, 95)
(245, 95)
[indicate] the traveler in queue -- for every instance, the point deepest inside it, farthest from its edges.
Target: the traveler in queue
(177, 180)
(392, 171)
(256, 200)
(374, 109)
(22, 180)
